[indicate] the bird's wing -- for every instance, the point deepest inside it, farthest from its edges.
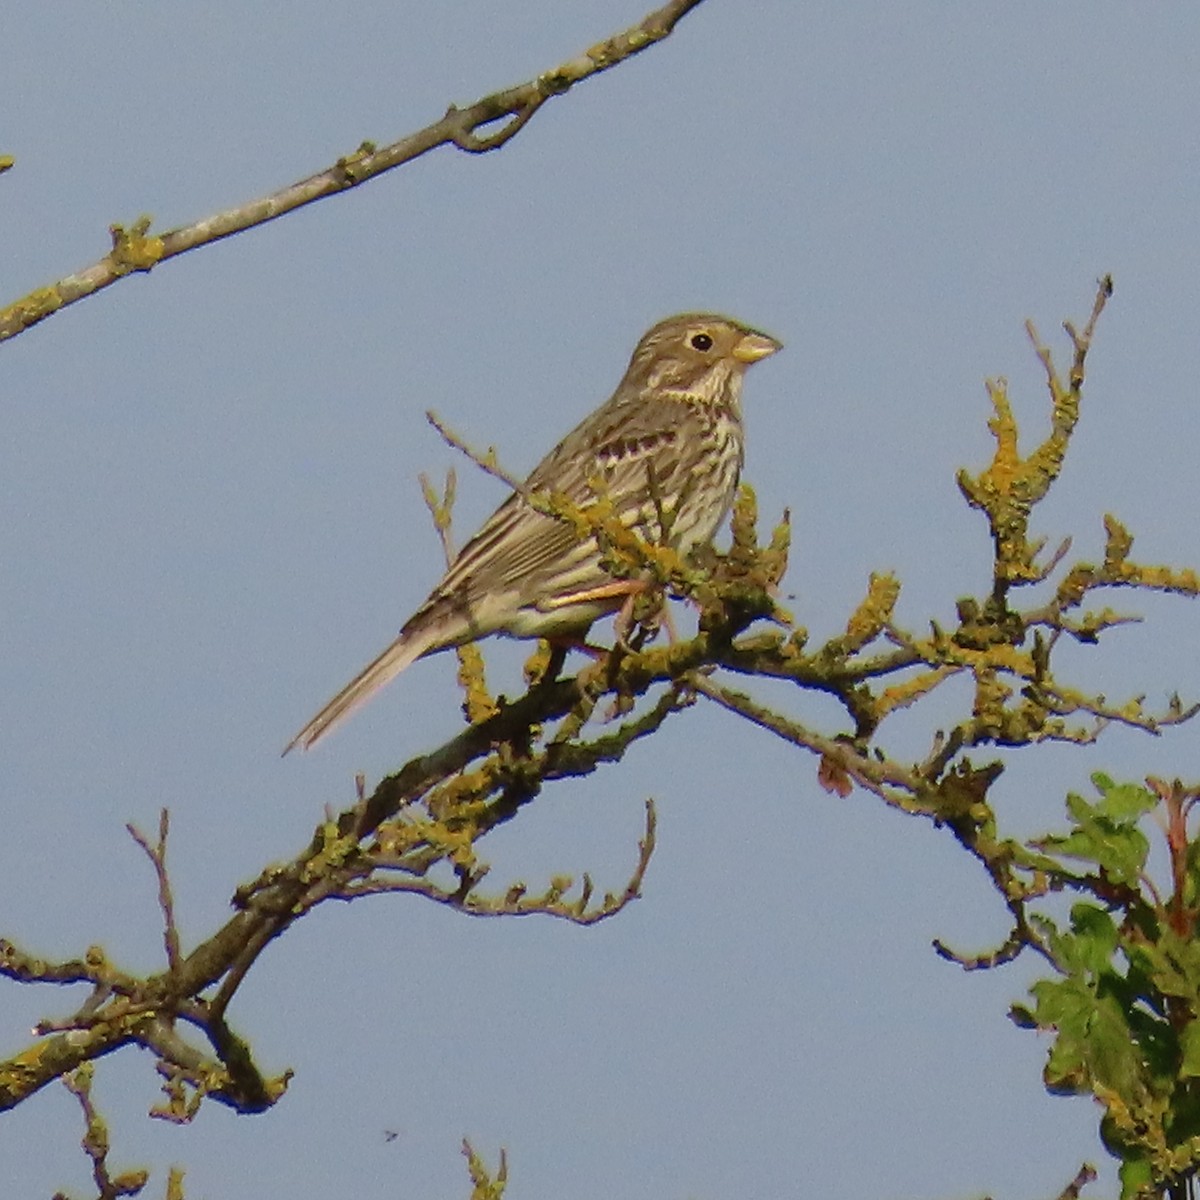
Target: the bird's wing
(519, 548)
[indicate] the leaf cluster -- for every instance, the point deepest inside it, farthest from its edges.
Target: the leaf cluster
(1124, 1006)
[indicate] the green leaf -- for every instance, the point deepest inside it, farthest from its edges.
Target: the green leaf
(1112, 1056)
(1119, 850)
(1136, 1178)
(1124, 851)
(1078, 809)
(1061, 1003)
(1123, 801)
(1095, 937)
(1079, 843)
(1184, 1121)
(1065, 1073)
(1172, 966)
(1065, 1006)
(1022, 1017)
(1106, 833)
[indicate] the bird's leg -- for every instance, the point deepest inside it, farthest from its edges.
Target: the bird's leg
(629, 620)
(668, 622)
(623, 624)
(612, 590)
(625, 590)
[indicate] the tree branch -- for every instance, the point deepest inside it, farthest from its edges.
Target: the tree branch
(136, 249)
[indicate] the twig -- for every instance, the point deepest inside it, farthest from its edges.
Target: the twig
(136, 249)
(625, 544)
(441, 509)
(1066, 702)
(1019, 938)
(486, 462)
(1043, 572)
(478, 702)
(157, 855)
(515, 902)
(1085, 1175)
(95, 1141)
(251, 948)
(23, 967)
(484, 1185)
(873, 774)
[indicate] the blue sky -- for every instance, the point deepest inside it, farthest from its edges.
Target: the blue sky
(211, 520)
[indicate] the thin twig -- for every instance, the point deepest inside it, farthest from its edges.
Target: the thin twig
(95, 1142)
(21, 966)
(873, 774)
(1020, 938)
(1085, 1175)
(1066, 702)
(441, 509)
(486, 461)
(157, 855)
(515, 902)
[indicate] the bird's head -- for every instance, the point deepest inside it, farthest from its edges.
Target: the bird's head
(697, 354)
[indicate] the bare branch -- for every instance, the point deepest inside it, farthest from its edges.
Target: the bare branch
(886, 779)
(485, 461)
(515, 902)
(157, 855)
(1020, 938)
(136, 249)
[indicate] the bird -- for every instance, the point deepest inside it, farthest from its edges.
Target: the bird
(667, 449)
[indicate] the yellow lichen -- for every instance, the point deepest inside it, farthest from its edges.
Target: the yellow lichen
(477, 700)
(132, 248)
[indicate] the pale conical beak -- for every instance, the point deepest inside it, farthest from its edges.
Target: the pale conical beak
(750, 347)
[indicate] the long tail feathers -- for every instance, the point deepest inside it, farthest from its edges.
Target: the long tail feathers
(403, 651)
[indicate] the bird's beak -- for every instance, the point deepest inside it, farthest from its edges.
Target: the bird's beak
(750, 347)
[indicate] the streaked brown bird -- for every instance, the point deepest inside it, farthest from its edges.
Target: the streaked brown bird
(668, 443)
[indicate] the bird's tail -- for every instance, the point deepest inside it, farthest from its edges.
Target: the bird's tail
(407, 648)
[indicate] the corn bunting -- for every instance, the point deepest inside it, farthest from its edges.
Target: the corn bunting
(668, 449)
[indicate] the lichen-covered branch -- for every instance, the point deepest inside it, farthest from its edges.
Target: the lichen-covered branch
(1009, 488)
(485, 125)
(484, 1185)
(95, 1141)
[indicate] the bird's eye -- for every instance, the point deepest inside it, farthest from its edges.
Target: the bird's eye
(701, 341)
